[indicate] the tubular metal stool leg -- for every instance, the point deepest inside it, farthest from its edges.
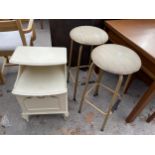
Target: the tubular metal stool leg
(77, 72)
(85, 88)
(127, 82)
(4, 64)
(119, 83)
(97, 82)
(1, 78)
(90, 55)
(7, 59)
(70, 59)
(90, 61)
(115, 106)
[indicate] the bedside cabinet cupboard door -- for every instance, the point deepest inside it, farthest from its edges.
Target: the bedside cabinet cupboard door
(44, 104)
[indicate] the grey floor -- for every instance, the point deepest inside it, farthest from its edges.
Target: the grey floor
(89, 122)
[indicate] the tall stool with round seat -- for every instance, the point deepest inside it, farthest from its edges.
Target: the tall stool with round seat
(84, 35)
(115, 59)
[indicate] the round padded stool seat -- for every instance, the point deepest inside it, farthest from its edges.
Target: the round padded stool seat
(88, 35)
(116, 59)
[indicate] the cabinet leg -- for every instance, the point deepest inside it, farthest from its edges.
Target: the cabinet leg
(26, 117)
(66, 115)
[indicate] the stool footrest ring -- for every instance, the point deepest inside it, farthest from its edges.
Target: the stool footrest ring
(115, 106)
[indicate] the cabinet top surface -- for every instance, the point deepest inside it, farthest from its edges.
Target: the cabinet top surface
(39, 56)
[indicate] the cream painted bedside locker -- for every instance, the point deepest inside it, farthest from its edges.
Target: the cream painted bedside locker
(41, 84)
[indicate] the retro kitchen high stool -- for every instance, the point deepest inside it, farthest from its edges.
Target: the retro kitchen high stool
(84, 35)
(115, 59)
(41, 84)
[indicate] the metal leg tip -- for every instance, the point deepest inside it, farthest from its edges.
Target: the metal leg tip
(79, 111)
(96, 94)
(74, 99)
(68, 79)
(102, 130)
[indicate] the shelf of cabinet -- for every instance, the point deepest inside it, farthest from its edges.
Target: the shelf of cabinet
(41, 81)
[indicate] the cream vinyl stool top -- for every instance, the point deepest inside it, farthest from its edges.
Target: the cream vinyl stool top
(88, 35)
(116, 59)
